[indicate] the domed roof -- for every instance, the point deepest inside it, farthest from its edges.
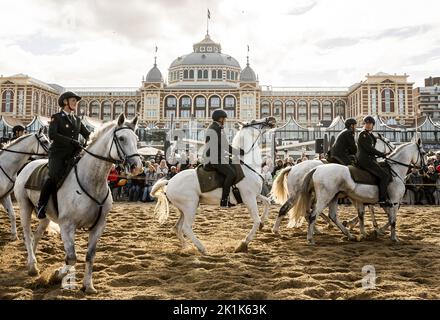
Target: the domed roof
(248, 74)
(206, 52)
(154, 75)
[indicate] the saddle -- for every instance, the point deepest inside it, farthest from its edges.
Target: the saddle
(364, 177)
(210, 179)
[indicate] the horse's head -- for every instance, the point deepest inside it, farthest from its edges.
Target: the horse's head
(42, 147)
(419, 156)
(124, 145)
(260, 126)
(383, 144)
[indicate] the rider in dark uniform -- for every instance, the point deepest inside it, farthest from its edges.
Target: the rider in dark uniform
(366, 157)
(17, 132)
(217, 154)
(64, 129)
(344, 149)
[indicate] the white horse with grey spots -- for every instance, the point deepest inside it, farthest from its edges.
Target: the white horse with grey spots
(84, 198)
(289, 181)
(13, 157)
(183, 190)
(323, 184)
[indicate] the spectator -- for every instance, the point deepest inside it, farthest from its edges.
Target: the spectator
(430, 179)
(158, 157)
(437, 159)
(298, 161)
(150, 180)
(137, 184)
(267, 185)
(112, 180)
(172, 172)
(279, 166)
(415, 183)
(162, 170)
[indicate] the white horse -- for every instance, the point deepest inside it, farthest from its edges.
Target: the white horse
(183, 190)
(13, 157)
(84, 198)
(328, 181)
(289, 181)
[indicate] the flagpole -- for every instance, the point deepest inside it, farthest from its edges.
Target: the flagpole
(207, 23)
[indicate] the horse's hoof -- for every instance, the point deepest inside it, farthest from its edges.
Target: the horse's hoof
(352, 237)
(276, 232)
(395, 239)
(89, 290)
(312, 242)
(33, 271)
(243, 247)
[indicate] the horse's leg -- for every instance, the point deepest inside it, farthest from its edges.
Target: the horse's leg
(266, 205)
(94, 236)
(68, 237)
(42, 226)
(178, 227)
(333, 214)
(7, 203)
(373, 216)
(361, 214)
(189, 215)
(253, 209)
(392, 213)
(282, 213)
(26, 209)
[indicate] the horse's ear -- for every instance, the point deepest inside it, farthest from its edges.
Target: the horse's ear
(121, 119)
(40, 131)
(419, 141)
(135, 121)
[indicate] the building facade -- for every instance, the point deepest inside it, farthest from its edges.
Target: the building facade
(427, 99)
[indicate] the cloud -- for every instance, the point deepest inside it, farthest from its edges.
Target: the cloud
(403, 32)
(302, 9)
(337, 42)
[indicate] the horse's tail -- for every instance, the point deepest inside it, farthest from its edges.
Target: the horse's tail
(299, 211)
(162, 209)
(279, 190)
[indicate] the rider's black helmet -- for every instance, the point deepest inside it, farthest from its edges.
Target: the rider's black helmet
(219, 113)
(369, 119)
(17, 128)
(67, 95)
(349, 122)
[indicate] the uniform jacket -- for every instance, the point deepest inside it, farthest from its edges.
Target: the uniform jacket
(222, 149)
(366, 148)
(344, 147)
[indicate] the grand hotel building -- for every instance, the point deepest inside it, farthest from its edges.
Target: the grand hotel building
(207, 79)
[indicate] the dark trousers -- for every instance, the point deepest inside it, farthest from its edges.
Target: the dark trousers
(57, 167)
(429, 193)
(384, 177)
(229, 173)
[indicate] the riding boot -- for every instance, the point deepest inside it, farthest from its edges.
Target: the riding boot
(224, 202)
(46, 191)
(384, 201)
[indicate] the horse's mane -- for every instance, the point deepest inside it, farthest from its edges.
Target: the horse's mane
(400, 147)
(100, 132)
(16, 141)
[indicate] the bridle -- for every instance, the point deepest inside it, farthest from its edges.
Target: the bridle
(40, 143)
(387, 143)
(123, 156)
(420, 155)
(265, 123)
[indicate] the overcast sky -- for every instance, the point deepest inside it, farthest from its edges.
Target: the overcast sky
(292, 42)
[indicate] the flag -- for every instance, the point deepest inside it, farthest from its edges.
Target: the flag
(156, 49)
(209, 14)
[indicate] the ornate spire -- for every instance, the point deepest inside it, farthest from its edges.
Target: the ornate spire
(155, 58)
(247, 55)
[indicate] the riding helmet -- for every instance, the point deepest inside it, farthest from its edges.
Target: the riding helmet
(369, 119)
(219, 113)
(67, 95)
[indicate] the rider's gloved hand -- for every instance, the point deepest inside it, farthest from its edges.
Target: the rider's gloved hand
(76, 144)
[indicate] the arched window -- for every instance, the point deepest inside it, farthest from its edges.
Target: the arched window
(43, 105)
(220, 74)
(229, 106)
(119, 108)
(199, 74)
(214, 102)
(191, 74)
(106, 110)
(82, 108)
(205, 74)
(265, 109)
(36, 106)
(185, 74)
(302, 111)
(131, 109)
(171, 102)
(278, 109)
(314, 111)
(94, 109)
(290, 109)
(214, 74)
(387, 100)
(8, 98)
(200, 106)
(185, 107)
(340, 108)
(327, 110)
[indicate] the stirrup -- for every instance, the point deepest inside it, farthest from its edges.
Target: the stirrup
(41, 211)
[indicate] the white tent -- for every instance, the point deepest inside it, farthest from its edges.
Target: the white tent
(148, 151)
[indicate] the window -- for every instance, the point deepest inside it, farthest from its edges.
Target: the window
(220, 74)
(151, 100)
(401, 101)
(191, 74)
(265, 109)
(185, 102)
(200, 102)
(229, 102)
(185, 74)
(94, 107)
(8, 98)
(373, 101)
(151, 113)
(106, 110)
(213, 74)
(214, 102)
(314, 111)
(387, 100)
(200, 114)
(209, 49)
(131, 109)
(20, 108)
(290, 109)
(340, 108)
(302, 110)
(228, 75)
(230, 113)
(326, 110)
(171, 102)
(119, 108)
(36, 103)
(170, 113)
(205, 74)
(277, 109)
(199, 74)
